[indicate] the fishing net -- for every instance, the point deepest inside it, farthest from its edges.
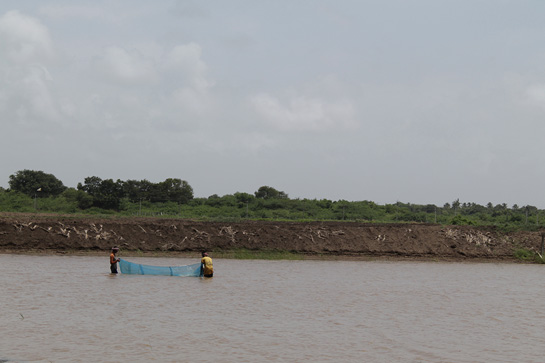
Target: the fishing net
(138, 269)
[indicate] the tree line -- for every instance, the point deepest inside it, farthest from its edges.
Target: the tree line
(31, 191)
(98, 193)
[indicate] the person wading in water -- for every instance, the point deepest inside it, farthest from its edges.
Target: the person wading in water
(207, 268)
(114, 260)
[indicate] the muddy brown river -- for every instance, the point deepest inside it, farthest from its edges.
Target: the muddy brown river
(71, 309)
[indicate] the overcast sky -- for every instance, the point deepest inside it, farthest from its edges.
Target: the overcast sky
(421, 101)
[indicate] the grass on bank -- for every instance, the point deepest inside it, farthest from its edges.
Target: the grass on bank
(245, 254)
(528, 256)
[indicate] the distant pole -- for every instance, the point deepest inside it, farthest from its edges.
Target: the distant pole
(542, 242)
(35, 200)
(140, 209)
(435, 214)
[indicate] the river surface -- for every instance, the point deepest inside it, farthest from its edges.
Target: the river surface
(71, 309)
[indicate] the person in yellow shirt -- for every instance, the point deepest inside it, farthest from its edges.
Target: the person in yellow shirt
(207, 268)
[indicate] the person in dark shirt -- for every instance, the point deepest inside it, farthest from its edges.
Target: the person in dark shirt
(114, 260)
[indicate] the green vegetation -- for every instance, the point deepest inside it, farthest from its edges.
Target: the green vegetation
(36, 191)
(31, 182)
(527, 255)
(524, 254)
(244, 254)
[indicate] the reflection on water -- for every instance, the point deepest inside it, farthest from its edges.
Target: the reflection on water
(62, 308)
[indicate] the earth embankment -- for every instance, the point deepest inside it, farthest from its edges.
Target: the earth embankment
(22, 233)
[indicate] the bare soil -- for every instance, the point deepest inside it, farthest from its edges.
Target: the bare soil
(42, 233)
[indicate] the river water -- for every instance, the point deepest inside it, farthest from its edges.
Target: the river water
(71, 309)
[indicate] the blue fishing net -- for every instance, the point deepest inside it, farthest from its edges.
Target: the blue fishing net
(138, 269)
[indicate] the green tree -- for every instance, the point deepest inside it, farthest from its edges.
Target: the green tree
(106, 194)
(456, 205)
(243, 198)
(266, 192)
(157, 193)
(133, 190)
(177, 190)
(146, 190)
(91, 185)
(36, 183)
(78, 197)
(214, 200)
(324, 203)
